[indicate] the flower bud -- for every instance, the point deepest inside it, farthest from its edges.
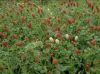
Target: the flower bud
(51, 39)
(57, 41)
(76, 38)
(68, 36)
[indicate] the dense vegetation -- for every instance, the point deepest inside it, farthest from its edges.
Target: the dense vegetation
(49, 37)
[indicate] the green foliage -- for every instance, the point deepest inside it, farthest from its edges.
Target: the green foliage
(49, 37)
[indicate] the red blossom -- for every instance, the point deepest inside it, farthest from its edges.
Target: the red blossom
(48, 45)
(88, 21)
(26, 38)
(98, 9)
(40, 10)
(58, 19)
(36, 60)
(5, 29)
(31, 6)
(73, 42)
(54, 61)
(62, 38)
(71, 21)
(87, 67)
(14, 22)
(77, 51)
(21, 7)
(20, 44)
(5, 44)
(4, 35)
(29, 25)
(23, 18)
(92, 27)
(33, 15)
(15, 36)
(93, 41)
(58, 35)
(56, 29)
(98, 28)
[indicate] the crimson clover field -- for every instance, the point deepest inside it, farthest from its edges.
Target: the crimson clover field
(49, 36)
